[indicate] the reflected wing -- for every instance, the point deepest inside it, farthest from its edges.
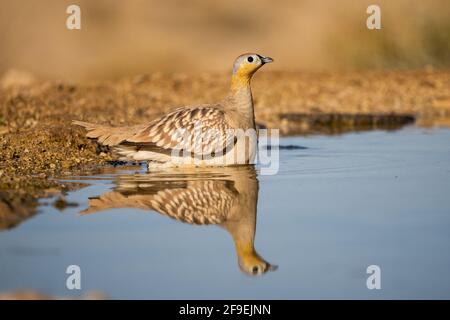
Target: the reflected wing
(195, 202)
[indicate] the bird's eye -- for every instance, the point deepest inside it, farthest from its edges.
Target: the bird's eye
(255, 270)
(250, 59)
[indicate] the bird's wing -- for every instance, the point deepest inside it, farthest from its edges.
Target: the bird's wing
(198, 131)
(202, 202)
(194, 202)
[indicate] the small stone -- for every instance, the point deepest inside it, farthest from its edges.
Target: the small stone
(61, 204)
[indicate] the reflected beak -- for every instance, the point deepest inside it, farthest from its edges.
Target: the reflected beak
(271, 267)
(266, 59)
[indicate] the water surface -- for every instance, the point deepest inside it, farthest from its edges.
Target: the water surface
(337, 205)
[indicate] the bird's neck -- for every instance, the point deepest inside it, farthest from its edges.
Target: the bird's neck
(242, 221)
(245, 249)
(240, 98)
(246, 253)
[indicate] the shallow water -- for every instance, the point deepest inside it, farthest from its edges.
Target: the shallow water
(335, 207)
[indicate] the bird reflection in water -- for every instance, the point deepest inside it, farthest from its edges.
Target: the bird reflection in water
(226, 197)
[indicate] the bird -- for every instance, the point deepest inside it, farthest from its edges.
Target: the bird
(226, 197)
(218, 134)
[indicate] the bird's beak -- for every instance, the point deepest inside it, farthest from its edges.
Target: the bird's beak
(266, 59)
(271, 267)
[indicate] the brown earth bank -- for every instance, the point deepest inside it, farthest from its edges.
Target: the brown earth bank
(36, 295)
(38, 142)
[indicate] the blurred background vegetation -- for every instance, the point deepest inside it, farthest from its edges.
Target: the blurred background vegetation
(120, 38)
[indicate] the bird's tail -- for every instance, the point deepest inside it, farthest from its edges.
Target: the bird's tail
(106, 135)
(116, 199)
(109, 200)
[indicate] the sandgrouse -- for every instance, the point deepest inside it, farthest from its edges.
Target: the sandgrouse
(218, 134)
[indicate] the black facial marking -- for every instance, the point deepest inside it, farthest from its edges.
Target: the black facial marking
(261, 58)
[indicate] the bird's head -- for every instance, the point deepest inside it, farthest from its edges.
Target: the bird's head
(250, 262)
(246, 65)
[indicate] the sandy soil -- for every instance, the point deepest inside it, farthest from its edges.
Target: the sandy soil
(37, 141)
